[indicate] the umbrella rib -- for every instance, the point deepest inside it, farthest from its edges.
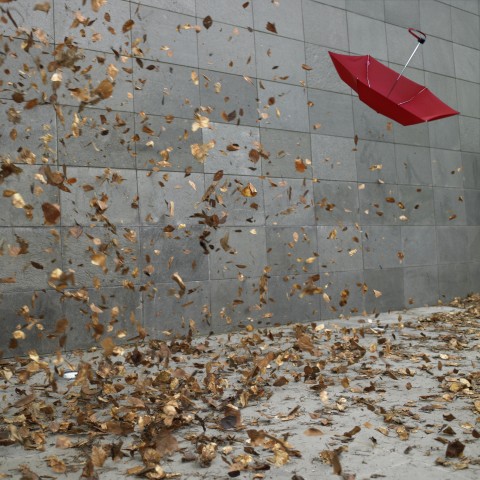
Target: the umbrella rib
(416, 95)
(368, 64)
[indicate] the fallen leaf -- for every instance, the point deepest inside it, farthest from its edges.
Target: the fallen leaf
(455, 449)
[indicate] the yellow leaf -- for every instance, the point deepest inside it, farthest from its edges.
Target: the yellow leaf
(200, 151)
(17, 201)
(200, 122)
(194, 77)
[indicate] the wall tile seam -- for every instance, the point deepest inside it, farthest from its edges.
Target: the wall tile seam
(259, 31)
(358, 211)
(139, 261)
(135, 3)
(458, 8)
(395, 166)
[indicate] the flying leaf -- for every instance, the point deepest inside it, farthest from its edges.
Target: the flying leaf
(42, 7)
(127, 26)
(207, 22)
(249, 190)
(271, 27)
(200, 151)
(96, 5)
(51, 212)
(200, 122)
(178, 280)
(104, 89)
(18, 201)
(299, 165)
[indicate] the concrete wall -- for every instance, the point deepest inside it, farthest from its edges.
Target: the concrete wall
(110, 203)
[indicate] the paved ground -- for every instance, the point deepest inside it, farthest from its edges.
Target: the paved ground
(393, 397)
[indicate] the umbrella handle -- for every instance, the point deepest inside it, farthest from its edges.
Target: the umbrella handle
(414, 31)
(421, 41)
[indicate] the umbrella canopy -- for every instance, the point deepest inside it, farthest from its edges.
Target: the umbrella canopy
(381, 88)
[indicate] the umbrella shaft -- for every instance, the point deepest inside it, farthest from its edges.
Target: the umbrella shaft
(401, 73)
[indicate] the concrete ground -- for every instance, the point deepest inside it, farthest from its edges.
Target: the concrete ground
(395, 397)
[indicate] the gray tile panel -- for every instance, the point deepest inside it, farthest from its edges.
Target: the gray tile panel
(413, 165)
(283, 106)
(285, 16)
(157, 36)
(334, 158)
(292, 250)
(421, 286)
(289, 201)
(280, 59)
(282, 149)
(227, 48)
(325, 25)
(336, 203)
(339, 249)
(232, 98)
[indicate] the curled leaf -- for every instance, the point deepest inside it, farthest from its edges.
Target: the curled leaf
(249, 190)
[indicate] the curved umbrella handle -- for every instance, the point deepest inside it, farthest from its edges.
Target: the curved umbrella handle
(414, 31)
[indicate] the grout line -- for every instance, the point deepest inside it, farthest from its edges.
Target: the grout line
(317, 242)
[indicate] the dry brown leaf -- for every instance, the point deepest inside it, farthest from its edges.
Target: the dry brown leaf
(207, 22)
(249, 190)
(104, 89)
(299, 165)
(51, 213)
(57, 465)
(455, 449)
(200, 151)
(42, 7)
(63, 442)
(166, 444)
(313, 432)
(108, 346)
(27, 399)
(271, 27)
(200, 122)
(96, 6)
(99, 259)
(127, 26)
(178, 280)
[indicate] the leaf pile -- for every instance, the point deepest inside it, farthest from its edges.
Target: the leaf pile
(164, 409)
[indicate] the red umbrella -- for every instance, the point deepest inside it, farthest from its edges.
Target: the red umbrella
(388, 92)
